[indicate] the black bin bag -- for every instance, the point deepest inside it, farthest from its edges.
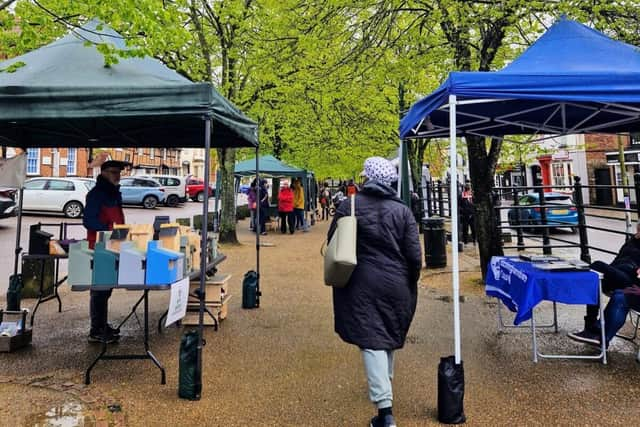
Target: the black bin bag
(450, 391)
(189, 377)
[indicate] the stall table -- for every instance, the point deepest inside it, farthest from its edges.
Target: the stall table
(520, 285)
(145, 300)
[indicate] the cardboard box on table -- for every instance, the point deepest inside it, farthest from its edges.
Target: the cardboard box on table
(194, 244)
(163, 266)
(169, 235)
(119, 234)
(105, 265)
(132, 265)
(141, 235)
(80, 263)
(185, 250)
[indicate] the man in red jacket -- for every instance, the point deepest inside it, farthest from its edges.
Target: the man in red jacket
(103, 209)
(285, 209)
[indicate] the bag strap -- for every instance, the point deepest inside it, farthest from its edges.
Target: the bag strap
(353, 205)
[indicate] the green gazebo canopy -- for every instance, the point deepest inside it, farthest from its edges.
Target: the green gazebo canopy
(270, 166)
(62, 95)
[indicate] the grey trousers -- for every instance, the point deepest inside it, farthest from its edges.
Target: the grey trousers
(378, 364)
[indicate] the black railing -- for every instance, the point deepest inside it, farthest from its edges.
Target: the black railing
(438, 204)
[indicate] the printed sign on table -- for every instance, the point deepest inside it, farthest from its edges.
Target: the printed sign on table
(178, 301)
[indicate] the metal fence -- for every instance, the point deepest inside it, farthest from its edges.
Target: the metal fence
(436, 202)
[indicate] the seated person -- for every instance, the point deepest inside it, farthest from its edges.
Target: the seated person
(620, 274)
(615, 314)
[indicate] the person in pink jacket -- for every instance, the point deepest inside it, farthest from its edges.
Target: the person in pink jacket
(285, 209)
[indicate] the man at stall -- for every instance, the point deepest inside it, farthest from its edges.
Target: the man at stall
(103, 209)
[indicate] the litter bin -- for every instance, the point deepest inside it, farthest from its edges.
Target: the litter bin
(435, 254)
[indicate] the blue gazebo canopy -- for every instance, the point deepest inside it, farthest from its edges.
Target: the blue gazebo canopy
(574, 79)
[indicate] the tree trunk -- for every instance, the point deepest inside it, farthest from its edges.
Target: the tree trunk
(482, 166)
(227, 160)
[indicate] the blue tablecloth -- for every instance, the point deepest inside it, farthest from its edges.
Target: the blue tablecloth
(521, 286)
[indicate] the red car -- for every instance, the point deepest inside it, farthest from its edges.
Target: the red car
(195, 189)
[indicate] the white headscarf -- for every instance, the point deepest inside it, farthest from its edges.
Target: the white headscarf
(380, 169)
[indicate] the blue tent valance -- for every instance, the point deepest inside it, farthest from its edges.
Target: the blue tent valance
(572, 80)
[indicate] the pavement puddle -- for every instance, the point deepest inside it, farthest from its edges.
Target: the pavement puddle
(70, 414)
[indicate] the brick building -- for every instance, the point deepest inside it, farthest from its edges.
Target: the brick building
(75, 161)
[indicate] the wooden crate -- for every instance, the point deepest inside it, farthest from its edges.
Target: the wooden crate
(215, 288)
(219, 310)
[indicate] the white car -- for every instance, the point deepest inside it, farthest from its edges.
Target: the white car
(174, 187)
(66, 195)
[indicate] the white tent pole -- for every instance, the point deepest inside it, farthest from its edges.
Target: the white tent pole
(453, 163)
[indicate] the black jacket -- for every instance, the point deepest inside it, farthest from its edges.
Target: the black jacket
(375, 309)
(628, 258)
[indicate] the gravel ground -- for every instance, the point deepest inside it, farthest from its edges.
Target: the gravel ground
(282, 364)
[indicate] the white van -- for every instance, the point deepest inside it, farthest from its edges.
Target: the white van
(175, 188)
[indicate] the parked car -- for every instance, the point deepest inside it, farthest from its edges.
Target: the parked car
(65, 195)
(8, 207)
(195, 189)
(143, 191)
(562, 211)
(175, 188)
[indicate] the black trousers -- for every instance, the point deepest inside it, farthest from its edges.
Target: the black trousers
(287, 218)
(99, 310)
(467, 223)
(614, 277)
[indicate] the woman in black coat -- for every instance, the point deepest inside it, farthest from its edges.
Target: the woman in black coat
(375, 309)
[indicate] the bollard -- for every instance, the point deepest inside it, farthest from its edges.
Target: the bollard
(435, 254)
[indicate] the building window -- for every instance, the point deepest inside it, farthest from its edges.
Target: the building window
(152, 153)
(164, 154)
(71, 161)
(33, 161)
(127, 158)
(635, 138)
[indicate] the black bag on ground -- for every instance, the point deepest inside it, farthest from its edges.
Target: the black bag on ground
(250, 291)
(13, 292)
(189, 377)
(450, 391)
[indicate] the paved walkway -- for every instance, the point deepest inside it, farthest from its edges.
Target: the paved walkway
(282, 364)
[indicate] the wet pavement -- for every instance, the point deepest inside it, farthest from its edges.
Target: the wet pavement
(282, 365)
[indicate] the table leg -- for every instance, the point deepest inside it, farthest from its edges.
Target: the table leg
(131, 313)
(40, 290)
(533, 337)
(146, 338)
(603, 344)
(87, 375)
(555, 317)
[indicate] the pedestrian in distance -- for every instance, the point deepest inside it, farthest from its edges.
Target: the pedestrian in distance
(325, 201)
(298, 203)
(375, 309)
(263, 199)
(285, 209)
(103, 209)
(467, 215)
(252, 201)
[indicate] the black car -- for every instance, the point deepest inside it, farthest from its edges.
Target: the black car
(8, 206)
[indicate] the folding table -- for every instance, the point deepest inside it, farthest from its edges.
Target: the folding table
(521, 286)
